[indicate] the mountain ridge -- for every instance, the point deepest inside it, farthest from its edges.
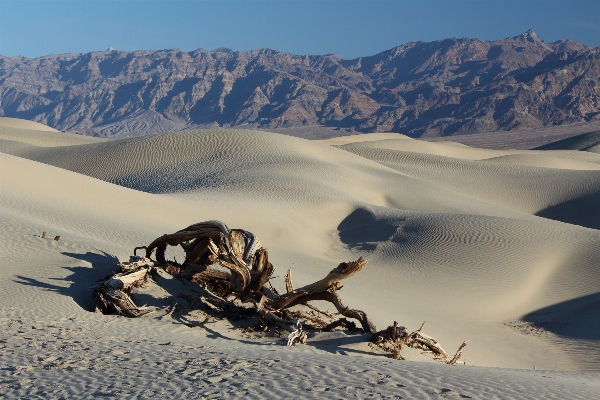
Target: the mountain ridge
(429, 89)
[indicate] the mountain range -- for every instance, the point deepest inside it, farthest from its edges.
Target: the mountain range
(446, 87)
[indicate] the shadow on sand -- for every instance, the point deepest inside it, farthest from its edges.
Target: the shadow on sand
(176, 295)
(339, 342)
(82, 279)
(582, 211)
(576, 319)
(362, 229)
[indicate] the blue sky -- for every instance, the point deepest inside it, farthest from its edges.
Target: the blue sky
(348, 28)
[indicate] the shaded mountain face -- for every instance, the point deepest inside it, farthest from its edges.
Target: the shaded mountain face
(447, 87)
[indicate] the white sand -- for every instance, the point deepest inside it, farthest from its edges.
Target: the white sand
(16, 132)
(450, 232)
(7, 122)
(365, 137)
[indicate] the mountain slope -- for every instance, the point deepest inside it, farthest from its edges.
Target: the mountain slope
(445, 87)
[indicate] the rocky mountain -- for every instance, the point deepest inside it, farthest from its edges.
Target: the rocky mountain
(446, 87)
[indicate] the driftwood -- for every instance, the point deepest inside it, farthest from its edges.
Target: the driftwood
(395, 337)
(297, 336)
(57, 238)
(112, 294)
(241, 289)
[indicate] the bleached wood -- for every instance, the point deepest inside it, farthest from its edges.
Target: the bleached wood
(289, 286)
(247, 282)
(458, 353)
(342, 271)
(128, 280)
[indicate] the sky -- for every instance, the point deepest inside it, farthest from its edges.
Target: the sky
(349, 28)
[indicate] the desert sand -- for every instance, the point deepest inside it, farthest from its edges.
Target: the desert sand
(499, 247)
(524, 139)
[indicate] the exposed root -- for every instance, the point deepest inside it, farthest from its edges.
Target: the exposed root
(297, 336)
(395, 337)
(241, 289)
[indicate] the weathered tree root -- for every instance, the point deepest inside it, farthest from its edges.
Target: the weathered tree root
(395, 337)
(112, 294)
(244, 289)
(297, 336)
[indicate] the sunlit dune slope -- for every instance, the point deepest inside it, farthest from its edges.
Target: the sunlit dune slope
(252, 164)
(525, 181)
(450, 235)
(479, 270)
(28, 132)
(7, 122)
(391, 141)
(553, 160)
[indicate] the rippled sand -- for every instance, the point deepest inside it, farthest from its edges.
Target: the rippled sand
(498, 247)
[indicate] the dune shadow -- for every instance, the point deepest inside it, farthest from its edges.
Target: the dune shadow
(582, 142)
(361, 230)
(576, 319)
(338, 345)
(364, 229)
(82, 279)
(582, 211)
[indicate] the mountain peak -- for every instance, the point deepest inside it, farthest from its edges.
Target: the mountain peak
(530, 36)
(407, 89)
(223, 49)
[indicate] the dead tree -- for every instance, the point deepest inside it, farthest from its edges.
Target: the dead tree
(242, 288)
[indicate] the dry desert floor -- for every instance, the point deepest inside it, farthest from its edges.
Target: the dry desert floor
(499, 247)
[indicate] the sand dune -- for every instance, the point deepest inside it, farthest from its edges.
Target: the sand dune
(508, 183)
(523, 139)
(256, 165)
(594, 149)
(6, 122)
(586, 141)
(393, 141)
(548, 161)
(451, 236)
(17, 132)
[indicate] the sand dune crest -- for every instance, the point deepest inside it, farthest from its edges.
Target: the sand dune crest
(451, 233)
